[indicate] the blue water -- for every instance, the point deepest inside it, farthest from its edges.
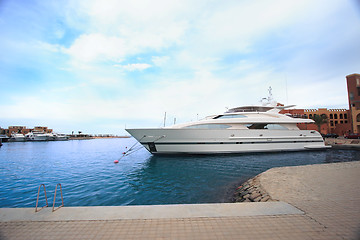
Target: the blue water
(89, 177)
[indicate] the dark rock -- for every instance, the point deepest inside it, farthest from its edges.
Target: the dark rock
(265, 199)
(255, 195)
(257, 199)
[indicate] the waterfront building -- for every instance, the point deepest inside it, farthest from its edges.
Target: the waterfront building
(338, 120)
(353, 86)
(23, 130)
(18, 129)
(3, 131)
(43, 129)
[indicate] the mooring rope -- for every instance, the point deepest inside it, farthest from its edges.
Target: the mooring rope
(135, 148)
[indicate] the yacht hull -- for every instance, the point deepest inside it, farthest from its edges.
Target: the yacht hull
(206, 141)
(17, 139)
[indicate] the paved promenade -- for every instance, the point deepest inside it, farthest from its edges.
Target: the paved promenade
(315, 202)
(343, 143)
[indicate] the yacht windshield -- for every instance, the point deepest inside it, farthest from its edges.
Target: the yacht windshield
(230, 116)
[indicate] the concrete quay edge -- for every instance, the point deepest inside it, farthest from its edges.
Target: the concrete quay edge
(149, 212)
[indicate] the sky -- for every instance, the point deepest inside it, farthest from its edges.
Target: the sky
(102, 66)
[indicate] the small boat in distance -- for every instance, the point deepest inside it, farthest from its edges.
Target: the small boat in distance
(60, 137)
(4, 138)
(239, 130)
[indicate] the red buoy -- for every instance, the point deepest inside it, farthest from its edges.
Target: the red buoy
(116, 161)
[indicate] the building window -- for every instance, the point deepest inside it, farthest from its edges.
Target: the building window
(358, 118)
(358, 88)
(341, 121)
(345, 121)
(341, 116)
(310, 115)
(331, 116)
(336, 122)
(335, 116)
(345, 116)
(331, 123)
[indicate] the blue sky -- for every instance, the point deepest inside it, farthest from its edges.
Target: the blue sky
(98, 66)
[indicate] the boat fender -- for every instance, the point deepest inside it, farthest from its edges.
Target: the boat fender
(116, 161)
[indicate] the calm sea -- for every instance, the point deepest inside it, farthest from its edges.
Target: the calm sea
(89, 177)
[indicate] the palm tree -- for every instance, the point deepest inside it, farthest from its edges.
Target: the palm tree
(319, 120)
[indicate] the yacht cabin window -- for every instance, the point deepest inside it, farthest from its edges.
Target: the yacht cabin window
(266, 126)
(209, 126)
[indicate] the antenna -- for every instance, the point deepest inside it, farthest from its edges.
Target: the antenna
(270, 94)
(164, 119)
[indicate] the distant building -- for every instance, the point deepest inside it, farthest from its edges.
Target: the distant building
(3, 131)
(338, 120)
(18, 129)
(43, 129)
(353, 86)
(23, 129)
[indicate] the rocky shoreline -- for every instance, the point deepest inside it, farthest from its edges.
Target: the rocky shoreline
(251, 191)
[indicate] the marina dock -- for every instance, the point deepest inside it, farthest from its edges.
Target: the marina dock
(308, 202)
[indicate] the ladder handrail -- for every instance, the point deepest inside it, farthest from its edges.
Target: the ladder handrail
(62, 200)
(37, 199)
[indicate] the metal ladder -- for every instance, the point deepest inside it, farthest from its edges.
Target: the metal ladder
(53, 208)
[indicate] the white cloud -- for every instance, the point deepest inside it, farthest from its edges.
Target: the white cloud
(236, 26)
(333, 94)
(160, 60)
(134, 66)
(120, 29)
(95, 47)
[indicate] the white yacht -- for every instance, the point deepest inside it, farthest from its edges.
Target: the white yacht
(36, 136)
(60, 137)
(239, 130)
(50, 136)
(17, 137)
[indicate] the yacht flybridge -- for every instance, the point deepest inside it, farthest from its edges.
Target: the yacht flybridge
(239, 130)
